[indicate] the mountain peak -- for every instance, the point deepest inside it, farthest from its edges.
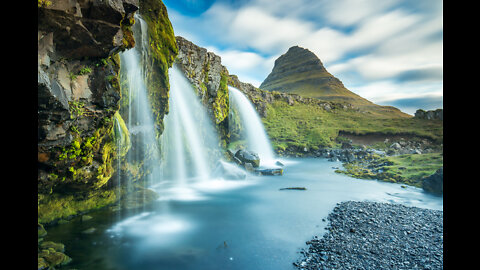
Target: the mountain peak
(300, 71)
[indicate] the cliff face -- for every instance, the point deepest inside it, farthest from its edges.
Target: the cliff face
(162, 52)
(209, 77)
(78, 90)
(79, 96)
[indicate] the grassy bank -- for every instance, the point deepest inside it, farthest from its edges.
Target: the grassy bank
(408, 169)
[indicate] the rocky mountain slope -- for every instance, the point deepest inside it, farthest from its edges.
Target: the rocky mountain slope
(300, 71)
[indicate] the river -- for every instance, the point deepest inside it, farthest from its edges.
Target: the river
(227, 224)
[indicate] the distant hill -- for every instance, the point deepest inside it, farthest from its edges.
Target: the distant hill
(300, 71)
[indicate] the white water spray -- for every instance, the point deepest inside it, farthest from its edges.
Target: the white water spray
(253, 130)
(189, 142)
(140, 122)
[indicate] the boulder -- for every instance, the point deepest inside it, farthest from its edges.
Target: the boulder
(274, 171)
(248, 157)
(434, 182)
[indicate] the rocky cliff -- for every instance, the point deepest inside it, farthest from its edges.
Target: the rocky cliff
(209, 77)
(300, 71)
(79, 95)
(429, 115)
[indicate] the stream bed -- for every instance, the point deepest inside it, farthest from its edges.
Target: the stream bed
(226, 224)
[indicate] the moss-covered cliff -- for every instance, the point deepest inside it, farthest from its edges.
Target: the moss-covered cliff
(162, 52)
(81, 134)
(79, 96)
(209, 77)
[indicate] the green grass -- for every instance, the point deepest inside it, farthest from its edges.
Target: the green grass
(408, 169)
(308, 125)
(414, 167)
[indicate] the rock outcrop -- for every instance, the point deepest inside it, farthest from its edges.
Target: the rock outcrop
(79, 96)
(79, 91)
(434, 182)
(162, 52)
(429, 115)
(209, 77)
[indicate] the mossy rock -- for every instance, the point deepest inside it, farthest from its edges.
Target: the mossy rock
(163, 50)
(57, 206)
(59, 247)
(139, 198)
(54, 258)
(42, 264)
(41, 231)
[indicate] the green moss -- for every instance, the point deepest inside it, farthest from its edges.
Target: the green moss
(58, 206)
(221, 102)
(408, 169)
(163, 50)
(121, 135)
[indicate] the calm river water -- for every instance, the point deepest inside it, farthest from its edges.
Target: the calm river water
(237, 224)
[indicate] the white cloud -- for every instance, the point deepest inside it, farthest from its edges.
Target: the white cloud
(367, 41)
(351, 12)
(246, 65)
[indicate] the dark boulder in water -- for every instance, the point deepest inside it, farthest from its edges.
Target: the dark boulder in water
(248, 157)
(434, 182)
(274, 171)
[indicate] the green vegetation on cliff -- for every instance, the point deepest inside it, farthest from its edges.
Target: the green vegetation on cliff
(163, 50)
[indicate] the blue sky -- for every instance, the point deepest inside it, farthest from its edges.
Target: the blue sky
(388, 51)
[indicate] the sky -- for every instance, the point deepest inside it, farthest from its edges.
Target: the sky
(387, 51)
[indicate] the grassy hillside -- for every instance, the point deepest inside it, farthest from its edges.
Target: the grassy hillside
(308, 125)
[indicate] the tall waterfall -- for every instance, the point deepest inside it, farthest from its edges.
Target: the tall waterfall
(189, 142)
(253, 130)
(140, 123)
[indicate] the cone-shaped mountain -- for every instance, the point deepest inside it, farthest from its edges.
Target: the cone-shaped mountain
(300, 71)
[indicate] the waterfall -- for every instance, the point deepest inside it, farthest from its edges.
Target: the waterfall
(145, 149)
(252, 127)
(189, 142)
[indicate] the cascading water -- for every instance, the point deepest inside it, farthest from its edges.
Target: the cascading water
(145, 151)
(252, 127)
(189, 142)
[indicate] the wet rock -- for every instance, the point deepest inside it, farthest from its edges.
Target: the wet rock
(86, 217)
(41, 231)
(55, 246)
(279, 163)
(434, 182)
(293, 188)
(248, 157)
(274, 171)
(89, 231)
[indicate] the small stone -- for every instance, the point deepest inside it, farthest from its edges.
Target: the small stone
(86, 217)
(89, 231)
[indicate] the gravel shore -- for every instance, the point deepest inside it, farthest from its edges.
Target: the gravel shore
(368, 235)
